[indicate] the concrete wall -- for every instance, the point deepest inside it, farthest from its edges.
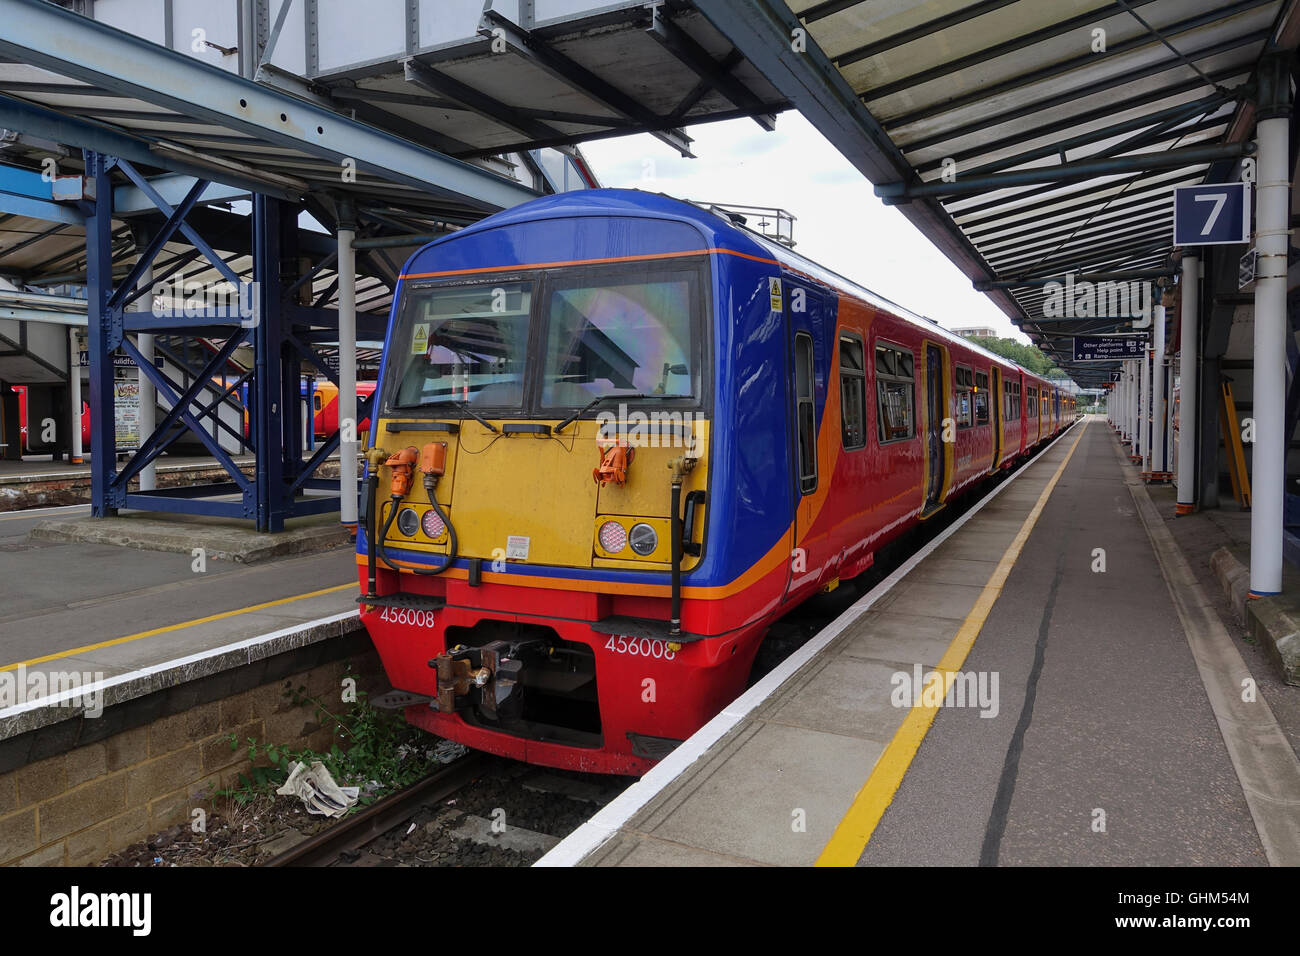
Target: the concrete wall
(77, 806)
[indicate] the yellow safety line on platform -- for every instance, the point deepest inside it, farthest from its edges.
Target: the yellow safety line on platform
(859, 823)
(175, 627)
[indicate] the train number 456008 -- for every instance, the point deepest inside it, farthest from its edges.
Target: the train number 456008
(640, 647)
(402, 615)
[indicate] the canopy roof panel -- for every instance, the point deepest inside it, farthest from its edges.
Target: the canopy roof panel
(1026, 139)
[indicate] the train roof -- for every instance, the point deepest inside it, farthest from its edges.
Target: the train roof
(723, 232)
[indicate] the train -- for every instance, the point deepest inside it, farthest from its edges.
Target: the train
(617, 436)
(30, 442)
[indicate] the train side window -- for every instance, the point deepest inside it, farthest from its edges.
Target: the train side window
(853, 392)
(894, 393)
(981, 398)
(1015, 399)
(963, 380)
(805, 412)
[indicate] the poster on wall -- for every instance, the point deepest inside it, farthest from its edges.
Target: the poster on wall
(126, 409)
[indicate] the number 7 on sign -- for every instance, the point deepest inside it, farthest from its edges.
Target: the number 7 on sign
(1218, 199)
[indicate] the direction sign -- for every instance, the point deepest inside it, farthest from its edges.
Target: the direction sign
(1108, 348)
(1216, 215)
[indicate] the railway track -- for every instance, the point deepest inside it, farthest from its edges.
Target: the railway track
(334, 845)
(479, 810)
(358, 829)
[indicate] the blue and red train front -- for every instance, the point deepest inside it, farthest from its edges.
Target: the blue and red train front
(550, 375)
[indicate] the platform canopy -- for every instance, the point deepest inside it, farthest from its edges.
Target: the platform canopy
(423, 116)
(429, 106)
(1026, 139)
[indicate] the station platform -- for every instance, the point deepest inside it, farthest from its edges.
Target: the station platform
(1093, 710)
(125, 622)
(39, 481)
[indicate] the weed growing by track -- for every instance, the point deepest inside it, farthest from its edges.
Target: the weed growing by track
(373, 749)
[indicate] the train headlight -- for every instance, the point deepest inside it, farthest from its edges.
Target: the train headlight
(613, 538)
(407, 521)
(643, 538)
(432, 524)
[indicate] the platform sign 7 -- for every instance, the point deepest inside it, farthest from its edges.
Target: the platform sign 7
(1216, 215)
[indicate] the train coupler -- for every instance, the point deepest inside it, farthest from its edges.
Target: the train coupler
(485, 678)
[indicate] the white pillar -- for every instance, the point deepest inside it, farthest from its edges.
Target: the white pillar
(74, 397)
(1158, 390)
(1188, 365)
(148, 396)
(1130, 396)
(1144, 411)
(347, 274)
(1130, 402)
(1268, 464)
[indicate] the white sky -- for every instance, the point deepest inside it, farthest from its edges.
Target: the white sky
(839, 221)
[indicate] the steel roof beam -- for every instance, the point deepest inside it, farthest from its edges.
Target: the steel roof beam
(1006, 215)
(1082, 119)
(480, 103)
(65, 43)
(1105, 258)
(929, 27)
(1066, 66)
(1076, 233)
(1078, 171)
(1161, 119)
(1014, 45)
(681, 45)
(827, 8)
(1092, 89)
(704, 87)
(1082, 228)
(366, 95)
(532, 48)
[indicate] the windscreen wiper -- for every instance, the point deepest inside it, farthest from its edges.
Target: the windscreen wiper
(455, 404)
(608, 398)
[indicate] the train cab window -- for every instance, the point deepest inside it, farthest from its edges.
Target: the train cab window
(894, 393)
(805, 412)
(964, 411)
(462, 343)
(981, 397)
(612, 332)
(853, 392)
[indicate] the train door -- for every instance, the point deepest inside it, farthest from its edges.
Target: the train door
(807, 316)
(934, 412)
(996, 403)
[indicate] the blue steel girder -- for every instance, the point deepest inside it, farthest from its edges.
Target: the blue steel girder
(268, 497)
(67, 44)
(27, 193)
(145, 260)
(164, 387)
(331, 444)
(103, 333)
